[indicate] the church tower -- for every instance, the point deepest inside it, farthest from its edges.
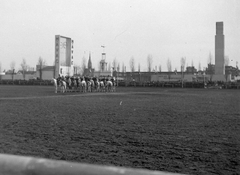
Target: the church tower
(103, 63)
(89, 62)
(219, 50)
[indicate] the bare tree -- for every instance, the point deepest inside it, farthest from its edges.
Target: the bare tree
(155, 70)
(114, 64)
(132, 64)
(12, 67)
(169, 67)
(210, 66)
(118, 67)
(123, 68)
(41, 64)
(109, 66)
(226, 61)
(227, 71)
(83, 66)
(24, 67)
(183, 62)
(78, 70)
(192, 67)
(199, 66)
(210, 58)
(149, 62)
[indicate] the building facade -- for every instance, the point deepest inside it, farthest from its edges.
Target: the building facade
(63, 56)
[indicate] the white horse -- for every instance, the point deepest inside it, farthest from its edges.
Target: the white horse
(55, 84)
(97, 85)
(63, 86)
(89, 86)
(74, 85)
(69, 84)
(92, 85)
(114, 84)
(109, 86)
(102, 87)
(84, 85)
(79, 85)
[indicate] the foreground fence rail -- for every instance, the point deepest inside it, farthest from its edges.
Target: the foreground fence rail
(20, 165)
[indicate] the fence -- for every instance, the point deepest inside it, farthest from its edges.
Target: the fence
(19, 165)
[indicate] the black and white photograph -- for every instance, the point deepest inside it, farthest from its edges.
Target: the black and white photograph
(113, 87)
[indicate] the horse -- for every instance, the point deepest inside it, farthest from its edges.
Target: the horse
(114, 84)
(92, 85)
(102, 86)
(109, 86)
(79, 82)
(55, 84)
(74, 84)
(84, 85)
(69, 83)
(97, 85)
(89, 86)
(63, 86)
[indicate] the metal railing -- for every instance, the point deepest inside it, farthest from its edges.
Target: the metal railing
(20, 165)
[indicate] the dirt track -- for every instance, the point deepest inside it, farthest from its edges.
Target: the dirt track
(178, 130)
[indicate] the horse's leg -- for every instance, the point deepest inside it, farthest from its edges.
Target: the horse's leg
(55, 88)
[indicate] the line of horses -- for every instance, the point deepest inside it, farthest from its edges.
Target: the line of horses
(84, 84)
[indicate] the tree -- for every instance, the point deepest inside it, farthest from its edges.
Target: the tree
(41, 64)
(192, 67)
(139, 67)
(12, 67)
(78, 70)
(24, 67)
(226, 61)
(227, 71)
(114, 64)
(132, 64)
(210, 66)
(210, 58)
(160, 68)
(149, 62)
(199, 66)
(169, 67)
(183, 62)
(118, 67)
(109, 66)
(123, 68)
(83, 66)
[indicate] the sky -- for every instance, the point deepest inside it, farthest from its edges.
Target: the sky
(166, 29)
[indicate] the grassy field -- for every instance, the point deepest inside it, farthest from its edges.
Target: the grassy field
(194, 131)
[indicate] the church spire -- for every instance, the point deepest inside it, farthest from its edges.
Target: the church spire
(89, 61)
